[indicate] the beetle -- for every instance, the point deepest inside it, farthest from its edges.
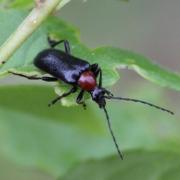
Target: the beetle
(78, 73)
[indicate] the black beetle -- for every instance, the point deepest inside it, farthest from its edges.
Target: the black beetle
(79, 74)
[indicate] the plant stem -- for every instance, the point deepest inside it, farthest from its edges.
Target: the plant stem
(41, 11)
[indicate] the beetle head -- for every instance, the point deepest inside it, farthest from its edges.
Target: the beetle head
(98, 95)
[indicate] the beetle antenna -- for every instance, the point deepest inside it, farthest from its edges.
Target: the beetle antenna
(140, 101)
(112, 134)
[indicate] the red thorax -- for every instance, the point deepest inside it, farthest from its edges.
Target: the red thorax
(87, 81)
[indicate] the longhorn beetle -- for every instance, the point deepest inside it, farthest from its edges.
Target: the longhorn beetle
(62, 66)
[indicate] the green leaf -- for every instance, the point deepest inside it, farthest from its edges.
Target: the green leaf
(112, 58)
(136, 165)
(108, 58)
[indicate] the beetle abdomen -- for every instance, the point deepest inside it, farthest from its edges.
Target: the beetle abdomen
(61, 65)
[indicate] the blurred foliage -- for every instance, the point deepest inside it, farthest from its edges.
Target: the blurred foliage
(125, 0)
(39, 136)
(52, 140)
(10, 170)
(137, 165)
(56, 139)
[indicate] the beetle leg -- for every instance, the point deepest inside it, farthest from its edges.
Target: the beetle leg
(49, 79)
(72, 90)
(94, 68)
(79, 99)
(53, 44)
(97, 71)
(100, 77)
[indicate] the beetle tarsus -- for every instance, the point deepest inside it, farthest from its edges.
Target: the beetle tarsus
(83, 104)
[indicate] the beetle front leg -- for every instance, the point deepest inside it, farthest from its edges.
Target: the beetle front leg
(72, 90)
(53, 44)
(97, 71)
(100, 77)
(79, 99)
(45, 78)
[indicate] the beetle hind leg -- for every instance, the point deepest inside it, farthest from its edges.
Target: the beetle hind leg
(43, 78)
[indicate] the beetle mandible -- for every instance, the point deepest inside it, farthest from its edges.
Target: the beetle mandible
(63, 66)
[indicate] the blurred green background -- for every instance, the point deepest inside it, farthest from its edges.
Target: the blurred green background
(151, 28)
